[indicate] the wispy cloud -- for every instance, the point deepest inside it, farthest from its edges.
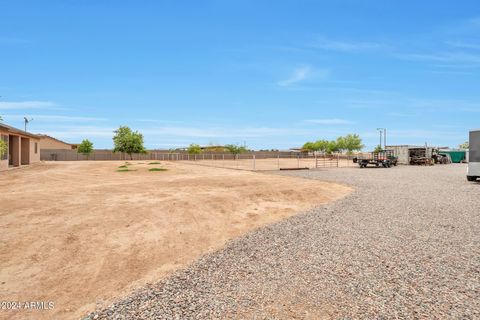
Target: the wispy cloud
(13, 41)
(464, 44)
(345, 46)
(20, 105)
(171, 133)
(299, 74)
(329, 121)
(55, 118)
(446, 57)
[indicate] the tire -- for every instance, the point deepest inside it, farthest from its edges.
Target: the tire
(471, 178)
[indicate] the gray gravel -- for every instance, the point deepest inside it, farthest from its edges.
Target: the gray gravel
(405, 244)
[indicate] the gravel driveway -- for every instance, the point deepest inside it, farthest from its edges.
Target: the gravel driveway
(405, 244)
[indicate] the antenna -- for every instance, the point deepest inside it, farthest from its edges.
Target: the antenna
(26, 122)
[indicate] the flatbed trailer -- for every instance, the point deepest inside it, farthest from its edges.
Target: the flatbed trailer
(384, 159)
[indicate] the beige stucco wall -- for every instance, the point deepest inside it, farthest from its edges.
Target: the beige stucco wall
(48, 143)
(34, 157)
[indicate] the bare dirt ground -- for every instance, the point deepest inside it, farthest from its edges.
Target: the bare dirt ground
(81, 234)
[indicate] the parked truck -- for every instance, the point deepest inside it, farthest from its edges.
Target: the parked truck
(474, 156)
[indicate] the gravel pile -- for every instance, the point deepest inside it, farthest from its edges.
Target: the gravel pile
(405, 244)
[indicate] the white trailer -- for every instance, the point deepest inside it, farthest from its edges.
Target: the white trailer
(474, 156)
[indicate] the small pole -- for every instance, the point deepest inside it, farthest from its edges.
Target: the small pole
(253, 162)
(278, 161)
(385, 138)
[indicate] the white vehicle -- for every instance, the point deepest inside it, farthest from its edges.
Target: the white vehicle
(474, 156)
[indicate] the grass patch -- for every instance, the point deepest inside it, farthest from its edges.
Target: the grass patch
(124, 166)
(157, 169)
(155, 162)
(125, 170)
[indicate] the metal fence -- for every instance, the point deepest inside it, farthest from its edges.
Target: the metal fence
(256, 161)
(278, 161)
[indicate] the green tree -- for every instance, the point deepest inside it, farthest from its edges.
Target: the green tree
(331, 147)
(235, 149)
(464, 145)
(85, 148)
(341, 144)
(127, 141)
(309, 146)
(378, 148)
(194, 149)
(3, 148)
(321, 145)
(350, 143)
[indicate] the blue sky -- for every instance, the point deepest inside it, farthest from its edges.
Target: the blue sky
(271, 73)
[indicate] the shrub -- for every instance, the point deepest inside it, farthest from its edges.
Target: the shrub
(128, 141)
(85, 148)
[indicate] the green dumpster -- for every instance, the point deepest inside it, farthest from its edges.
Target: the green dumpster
(457, 156)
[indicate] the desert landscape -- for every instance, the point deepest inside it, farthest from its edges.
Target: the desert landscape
(82, 234)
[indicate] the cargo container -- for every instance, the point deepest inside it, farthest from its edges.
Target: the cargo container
(474, 156)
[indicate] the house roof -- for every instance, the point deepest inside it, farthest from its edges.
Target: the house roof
(43, 136)
(17, 131)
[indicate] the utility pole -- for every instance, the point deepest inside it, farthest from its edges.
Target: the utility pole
(385, 137)
(384, 131)
(26, 122)
(380, 131)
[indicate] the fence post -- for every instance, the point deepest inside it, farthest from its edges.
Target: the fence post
(338, 158)
(278, 161)
(253, 162)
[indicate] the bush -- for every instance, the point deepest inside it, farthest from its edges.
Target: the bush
(85, 148)
(3, 148)
(194, 149)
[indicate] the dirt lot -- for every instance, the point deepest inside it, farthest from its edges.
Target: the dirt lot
(80, 233)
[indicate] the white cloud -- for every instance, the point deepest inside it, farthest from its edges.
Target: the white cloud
(463, 44)
(329, 121)
(13, 41)
(20, 105)
(55, 118)
(299, 74)
(346, 46)
(446, 57)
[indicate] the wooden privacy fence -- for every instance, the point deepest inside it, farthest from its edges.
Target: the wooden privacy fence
(256, 161)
